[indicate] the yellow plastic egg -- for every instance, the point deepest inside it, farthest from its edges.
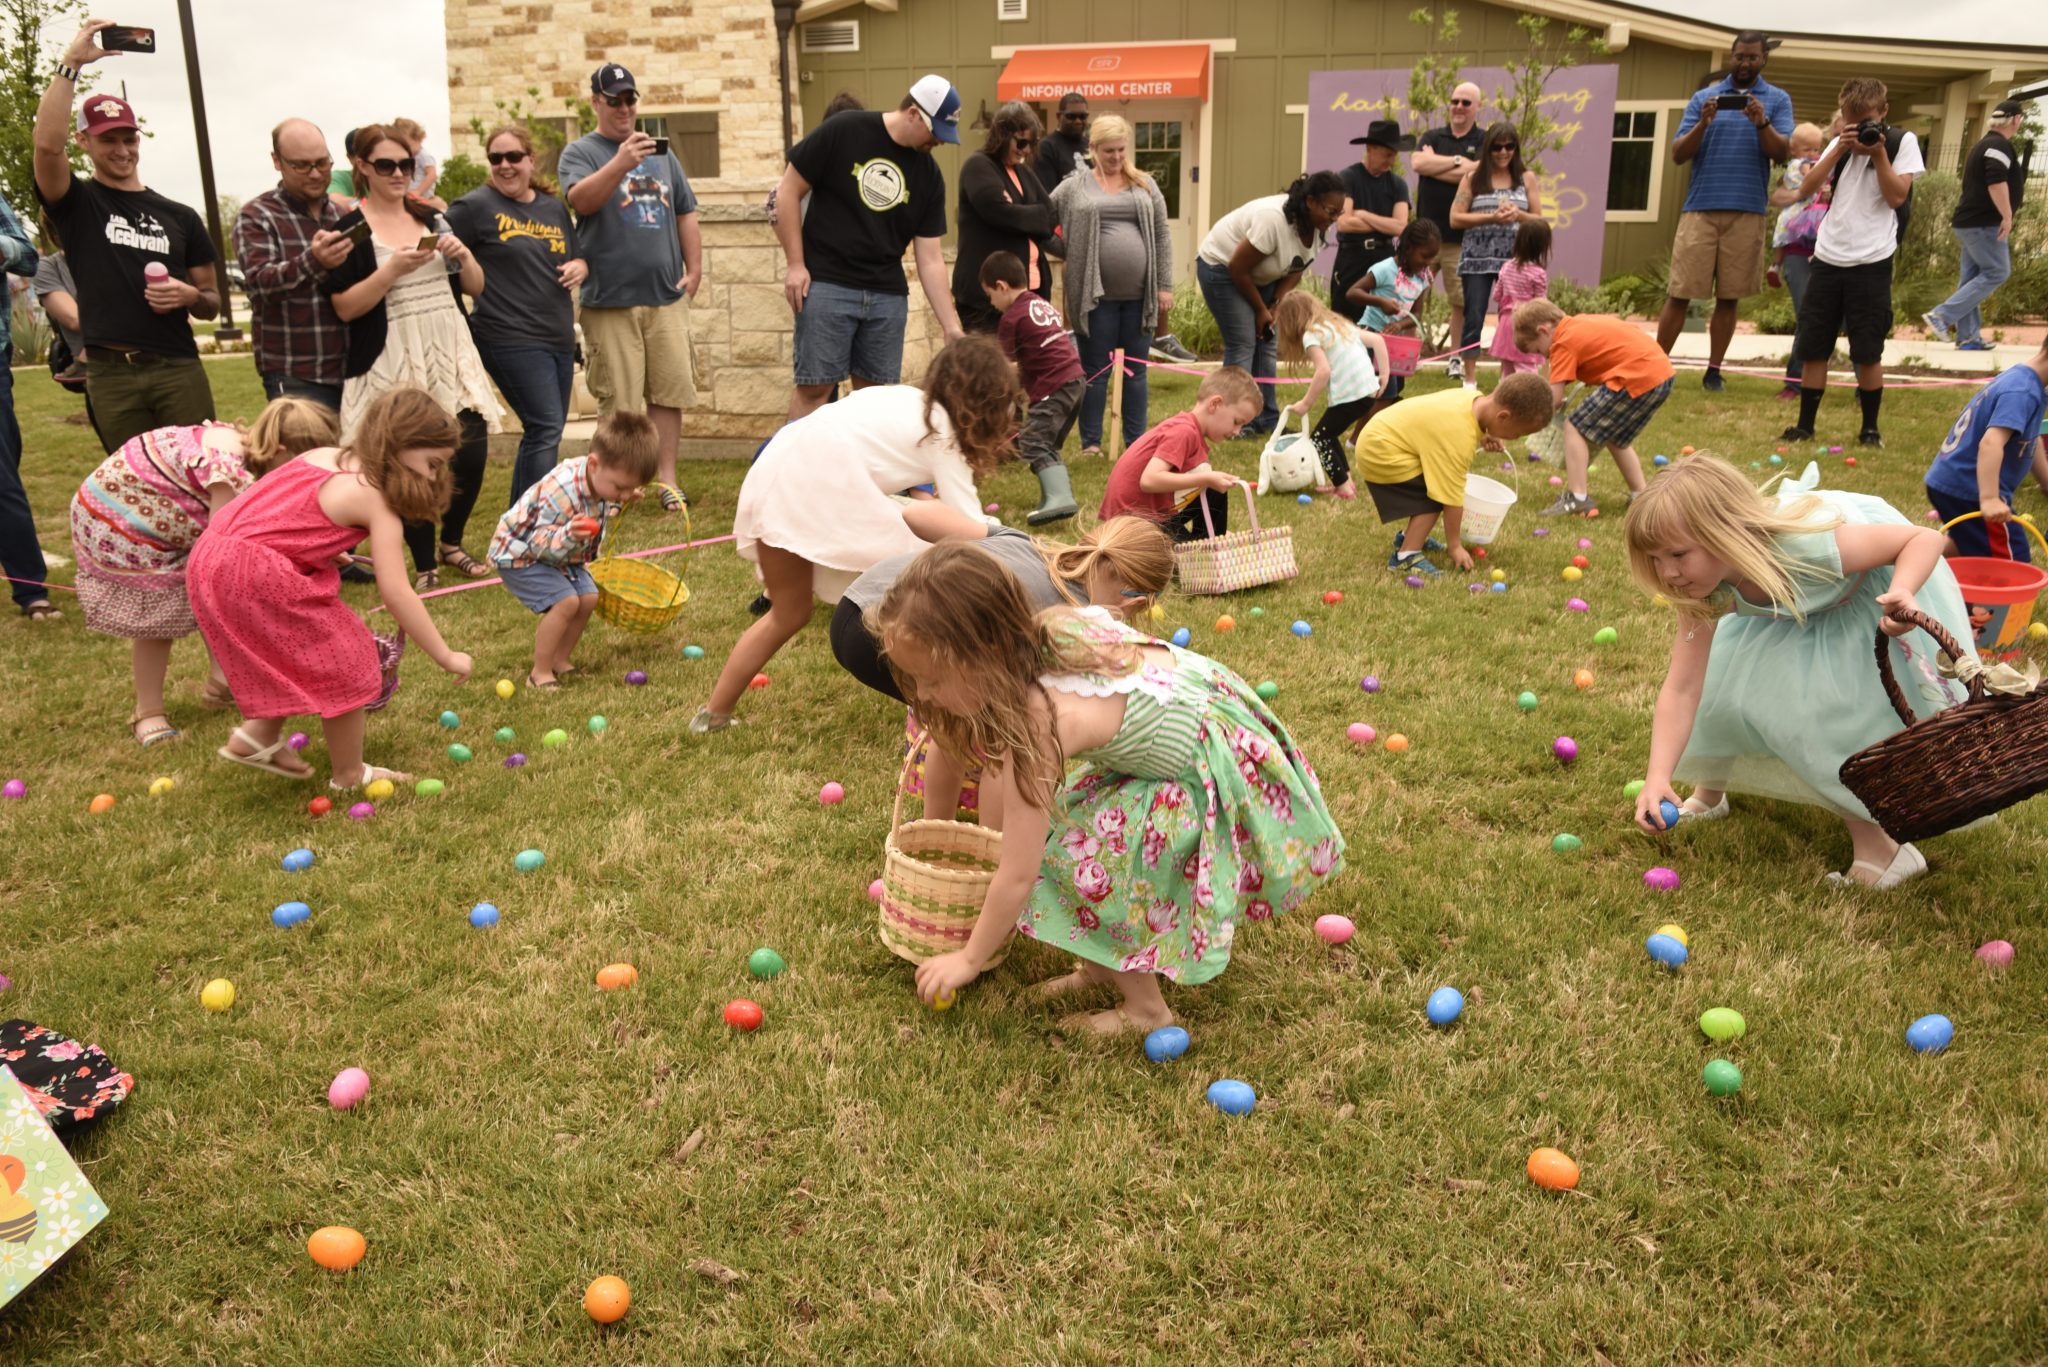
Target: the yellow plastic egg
(1573, 574)
(944, 1001)
(1660, 600)
(2038, 631)
(1500, 576)
(378, 789)
(217, 995)
(1675, 931)
(505, 689)
(159, 786)
(1157, 612)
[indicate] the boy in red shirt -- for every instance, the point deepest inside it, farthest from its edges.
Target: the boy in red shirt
(1173, 459)
(1050, 371)
(1629, 377)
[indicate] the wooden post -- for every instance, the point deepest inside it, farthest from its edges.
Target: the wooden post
(1113, 421)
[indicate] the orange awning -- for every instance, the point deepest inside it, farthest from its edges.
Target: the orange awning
(1179, 72)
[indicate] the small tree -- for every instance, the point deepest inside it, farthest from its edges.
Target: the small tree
(1436, 72)
(230, 210)
(1522, 101)
(550, 133)
(27, 63)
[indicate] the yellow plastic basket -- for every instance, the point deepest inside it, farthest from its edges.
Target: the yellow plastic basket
(638, 595)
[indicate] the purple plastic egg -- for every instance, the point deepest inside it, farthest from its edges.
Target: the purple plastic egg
(298, 741)
(1996, 953)
(1565, 748)
(1661, 879)
(362, 811)
(1577, 605)
(636, 677)
(515, 761)
(1475, 588)
(1370, 683)
(14, 788)
(1539, 531)
(1414, 581)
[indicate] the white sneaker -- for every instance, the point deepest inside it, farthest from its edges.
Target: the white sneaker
(1455, 367)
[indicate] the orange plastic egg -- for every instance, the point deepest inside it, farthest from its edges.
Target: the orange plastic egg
(101, 805)
(1583, 678)
(1397, 742)
(607, 1300)
(1687, 450)
(1552, 1170)
(1226, 623)
(616, 975)
(336, 1247)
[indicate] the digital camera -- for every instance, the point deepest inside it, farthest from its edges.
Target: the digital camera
(1871, 132)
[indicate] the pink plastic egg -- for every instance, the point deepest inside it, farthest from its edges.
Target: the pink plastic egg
(1996, 953)
(349, 1087)
(1585, 543)
(1565, 748)
(1360, 734)
(1577, 605)
(299, 741)
(14, 788)
(1335, 930)
(1557, 481)
(362, 811)
(831, 795)
(875, 891)
(1661, 879)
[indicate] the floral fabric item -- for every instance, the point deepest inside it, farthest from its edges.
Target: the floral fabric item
(70, 1083)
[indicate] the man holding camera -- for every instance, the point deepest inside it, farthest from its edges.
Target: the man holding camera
(1992, 181)
(636, 220)
(1732, 131)
(286, 243)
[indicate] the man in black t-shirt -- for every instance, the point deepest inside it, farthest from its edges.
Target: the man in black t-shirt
(143, 263)
(1375, 210)
(1068, 140)
(1443, 157)
(1992, 180)
(873, 190)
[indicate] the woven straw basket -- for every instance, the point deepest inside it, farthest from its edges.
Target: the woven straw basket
(1236, 560)
(636, 595)
(1949, 769)
(935, 876)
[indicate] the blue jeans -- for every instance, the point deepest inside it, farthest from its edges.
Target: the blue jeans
(21, 555)
(1478, 294)
(277, 385)
(535, 381)
(1795, 269)
(844, 332)
(1242, 346)
(1986, 264)
(1114, 323)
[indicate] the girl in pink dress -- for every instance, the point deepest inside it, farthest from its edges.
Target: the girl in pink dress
(265, 587)
(1525, 277)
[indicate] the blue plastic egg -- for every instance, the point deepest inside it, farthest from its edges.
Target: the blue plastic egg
(450, 720)
(289, 914)
(1303, 498)
(1182, 636)
(1233, 1097)
(483, 915)
(1660, 460)
(1446, 1004)
(298, 861)
(1497, 588)
(1166, 1043)
(1667, 812)
(1666, 950)
(1930, 1034)
(693, 652)
(1302, 629)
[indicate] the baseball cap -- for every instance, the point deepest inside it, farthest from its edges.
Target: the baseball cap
(612, 79)
(940, 104)
(105, 113)
(1385, 133)
(2009, 109)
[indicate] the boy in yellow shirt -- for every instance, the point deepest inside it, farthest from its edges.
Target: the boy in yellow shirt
(1414, 454)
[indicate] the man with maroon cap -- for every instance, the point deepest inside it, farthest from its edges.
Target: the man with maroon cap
(143, 263)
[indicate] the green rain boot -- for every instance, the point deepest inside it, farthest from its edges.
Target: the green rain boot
(1056, 501)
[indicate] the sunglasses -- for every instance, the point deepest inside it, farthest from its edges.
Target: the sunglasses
(512, 158)
(1075, 116)
(1507, 147)
(323, 166)
(1025, 140)
(625, 101)
(1464, 102)
(385, 166)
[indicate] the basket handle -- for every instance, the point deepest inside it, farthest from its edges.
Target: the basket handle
(1209, 522)
(1942, 639)
(2021, 518)
(902, 778)
(604, 545)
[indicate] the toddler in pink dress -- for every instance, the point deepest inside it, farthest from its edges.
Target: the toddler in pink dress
(1525, 277)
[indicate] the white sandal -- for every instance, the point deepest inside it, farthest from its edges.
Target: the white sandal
(1907, 863)
(262, 757)
(371, 773)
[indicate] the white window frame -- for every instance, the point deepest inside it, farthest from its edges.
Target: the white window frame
(1659, 160)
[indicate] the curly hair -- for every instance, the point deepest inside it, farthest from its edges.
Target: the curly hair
(1315, 185)
(977, 387)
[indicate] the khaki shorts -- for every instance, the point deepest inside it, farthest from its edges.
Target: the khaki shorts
(1454, 288)
(1717, 255)
(640, 356)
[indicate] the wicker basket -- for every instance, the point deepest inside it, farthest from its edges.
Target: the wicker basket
(1961, 764)
(935, 877)
(637, 595)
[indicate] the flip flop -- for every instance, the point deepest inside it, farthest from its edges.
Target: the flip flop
(532, 682)
(371, 773)
(261, 756)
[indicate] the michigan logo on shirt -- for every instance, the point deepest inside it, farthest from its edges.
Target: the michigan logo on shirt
(881, 183)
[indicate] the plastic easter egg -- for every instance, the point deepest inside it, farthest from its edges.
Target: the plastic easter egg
(1557, 481)
(1676, 932)
(285, 915)
(1333, 597)
(1475, 587)
(597, 725)
(1661, 879)
(1258, 612)
(1722, 1078)
(1564, 842)
(483, 916)
(1847, 460)
(1498, 576)
(461, 754)
(504, 735)
(1572, 574)
(636, 677)
(1565, 748)
(450, 720)
(831, 795)
(1182, 636)
(1660, 460)
(876, 890)
(526, 861)
(1335, 929)
(1585, 543)
(1499, 588)
(1233, 1097)
(14, 789)
(765, 963)
(607, 1299)
(1685, 450)
(1370, 683)
(1667, 813)
(161, 785)
(1834, 450)
(1445, 1005)
(1576, 605)
(1633, 787)
(1526, 700)
(1302, 629)
(554, 738)
(944, 1001)
(298, 861)
(362, 811)
(377, 789)
(1479, 552)
(1606, 636)
(348, 1089)
(1397, 742)
(742, 1014)
(1303, 498)
(101, 805)
(320, 806)
(1166, 1044)
(299, 740)
(1539, 531)
(693, 652)
(758, 681)
(1359, 733)
(505, 688)
(612, 977)
(1579, 562)
(1777, 460)
(1930, 1034)
(217, 995)
(991, 508)
(1996, 953)
(2037, 631)
(429, 787)
(336, 1247)
(1267, 689)
(1582, 678)
(515, 760)
(1414, 581)
(1667, 951)
(1226, 623)
(1721, 1024)
(1553, 1171)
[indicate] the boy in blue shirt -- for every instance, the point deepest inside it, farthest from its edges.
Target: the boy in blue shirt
(1995, 441)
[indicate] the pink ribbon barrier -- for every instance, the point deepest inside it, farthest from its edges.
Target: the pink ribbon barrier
(629, 555)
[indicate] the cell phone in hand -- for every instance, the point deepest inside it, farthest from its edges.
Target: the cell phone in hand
(127, 38)
(661, 147)
(429, 241)
(353, 226)
(1731, 100)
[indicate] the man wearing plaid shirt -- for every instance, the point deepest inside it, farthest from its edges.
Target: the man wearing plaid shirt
(285, 243)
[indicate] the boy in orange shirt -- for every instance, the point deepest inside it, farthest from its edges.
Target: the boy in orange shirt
(1630, 379)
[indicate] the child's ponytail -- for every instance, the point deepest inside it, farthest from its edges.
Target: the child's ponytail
(1134, 549)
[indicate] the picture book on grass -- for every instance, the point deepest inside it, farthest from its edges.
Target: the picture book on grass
(46, 1205)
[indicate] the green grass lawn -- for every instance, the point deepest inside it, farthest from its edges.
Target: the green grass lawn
(896, 1185)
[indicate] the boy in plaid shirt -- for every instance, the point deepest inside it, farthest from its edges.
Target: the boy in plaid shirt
(545, 540)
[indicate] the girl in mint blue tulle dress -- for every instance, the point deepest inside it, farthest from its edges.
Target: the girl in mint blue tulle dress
(1773, 682)
(1191, 815)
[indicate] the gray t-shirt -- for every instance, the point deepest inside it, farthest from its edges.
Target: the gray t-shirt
(1119, 241)
(1017, 551)
(630, 243)
(53, 276)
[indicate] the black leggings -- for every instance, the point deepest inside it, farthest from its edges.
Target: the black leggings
(468, 468)
(1187, 524)
(858, 652)
(1329, 432)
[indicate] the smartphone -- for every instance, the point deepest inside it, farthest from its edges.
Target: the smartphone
(127, 38)
(1731, 100)
(661, 147)
(429, 241)
(353, 225)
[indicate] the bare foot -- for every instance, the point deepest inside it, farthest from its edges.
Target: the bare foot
(1086, 976)
(1120, 1020)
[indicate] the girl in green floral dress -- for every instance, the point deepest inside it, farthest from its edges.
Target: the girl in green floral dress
(1191, 812)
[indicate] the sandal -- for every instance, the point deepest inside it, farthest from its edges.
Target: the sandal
(706, 721)
(459, 559)
(371, 773)
(673, 500)
(42, 610)
(153, 735)
(426, 581)
(262, 757)
(532, 682)
(218, 698)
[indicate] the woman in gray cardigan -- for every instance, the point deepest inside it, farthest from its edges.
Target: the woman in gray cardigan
(1119, 276)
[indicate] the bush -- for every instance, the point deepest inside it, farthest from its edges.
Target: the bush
(32, 329)
(460, 174)
(1193, 323)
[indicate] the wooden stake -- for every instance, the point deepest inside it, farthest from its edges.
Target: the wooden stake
(1113, 436)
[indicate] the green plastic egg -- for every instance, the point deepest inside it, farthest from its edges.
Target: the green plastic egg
(1722, 1077)
(765, 963)
(1722, 1023)
(505, 735)
(428, 787)
(598, 724)
(1565, 843)
(450, 720)
(459, 753)
(1526, 701)
(1258, 612)
(1632, 788)
(526, 861)
(555, 737)
(1606, 636)
(1268, 690)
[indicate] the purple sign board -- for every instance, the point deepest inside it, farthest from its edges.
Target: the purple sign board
(1580, 101)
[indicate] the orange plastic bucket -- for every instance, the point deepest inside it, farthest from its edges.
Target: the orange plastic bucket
(2000, 595)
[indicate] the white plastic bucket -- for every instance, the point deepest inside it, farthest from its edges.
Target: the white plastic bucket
(1486, 507)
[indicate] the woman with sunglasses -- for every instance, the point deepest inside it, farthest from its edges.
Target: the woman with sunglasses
(1002, 209)
(525, 324)
(396, 292)
(1493, 201)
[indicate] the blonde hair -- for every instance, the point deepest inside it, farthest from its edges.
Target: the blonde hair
(286, 428)
(627, 443)
(408, 129)
(1135, 549)
(401, 420)
(1233, 382)
(1111, 128)
(1863, 95)
(966, 608)
(1295, 314)
(1706, 502)
(1531, 314)
(1811, 132)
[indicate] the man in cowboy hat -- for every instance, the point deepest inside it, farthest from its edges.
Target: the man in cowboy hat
(1375, 209)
